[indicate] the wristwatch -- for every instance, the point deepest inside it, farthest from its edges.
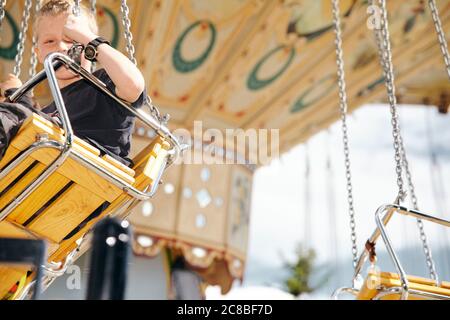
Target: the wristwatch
(91, 52)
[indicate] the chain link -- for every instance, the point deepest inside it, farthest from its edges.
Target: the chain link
(33, 59)
(343, 109)
(384, 48)
(94, 13)
(76, 10)
(94, 7)
(128, 35)
(2, 12)
(423, 238)
(440, 34)
(131, 54)
(22, 37)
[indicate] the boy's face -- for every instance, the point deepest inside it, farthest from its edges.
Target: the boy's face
(50, 38)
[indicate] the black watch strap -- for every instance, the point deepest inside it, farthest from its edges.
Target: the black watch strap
(91, 52)
(98, 41)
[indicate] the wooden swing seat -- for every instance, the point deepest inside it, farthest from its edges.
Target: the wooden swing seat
(376, 282)
(73, 198)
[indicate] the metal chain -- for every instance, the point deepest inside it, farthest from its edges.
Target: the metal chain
(128, 35)
(94, 13)
(2, 12)
(22, 36)
(423, 237)
(76, 10)
(441, 35)
(384, 46)
(384, 50)
(343, 109)
(33, 59)
(131, 54)
(94, 7)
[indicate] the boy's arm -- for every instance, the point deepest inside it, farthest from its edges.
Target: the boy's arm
(9, 86)
(126, 77)
(11, 82)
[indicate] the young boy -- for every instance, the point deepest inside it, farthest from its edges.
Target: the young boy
(94, 116)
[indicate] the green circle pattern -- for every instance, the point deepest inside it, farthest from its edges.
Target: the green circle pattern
(9, 53)
(184, 66)
(302, 102)
(253, 83)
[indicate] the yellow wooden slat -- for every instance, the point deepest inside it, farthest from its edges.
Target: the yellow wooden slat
(118, 165)
(389, 280)
(6, 181)
(21, 185)
(155, 164)
(9, 275)
(27, 136)
(152, 149)
(415, 279)
(36, 125)
(70, 244)
(38, 198)
(60, 132)
(66, 213)
(81, 175)
(146, 166)
(10, 230)
(10, 154)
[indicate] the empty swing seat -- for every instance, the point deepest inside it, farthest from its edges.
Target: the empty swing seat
(71, 199)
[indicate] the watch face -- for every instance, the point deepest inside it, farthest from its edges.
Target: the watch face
(89, 52)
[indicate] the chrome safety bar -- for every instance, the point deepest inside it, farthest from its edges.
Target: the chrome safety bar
(382, 217)
(55, 60)
(52, 63)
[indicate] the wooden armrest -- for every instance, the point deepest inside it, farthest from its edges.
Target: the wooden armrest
(37, 125)
(119, 165)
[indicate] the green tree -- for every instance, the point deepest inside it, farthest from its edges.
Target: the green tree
(300, 272)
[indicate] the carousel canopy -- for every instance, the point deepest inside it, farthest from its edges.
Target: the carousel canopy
(266, 64)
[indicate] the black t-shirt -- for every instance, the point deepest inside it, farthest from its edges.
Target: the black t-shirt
(97, 118)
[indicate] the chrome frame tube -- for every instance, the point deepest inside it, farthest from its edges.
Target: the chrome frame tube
(65, 150)
(53, 59)
(118, 182)
(390, 249)
(382, 220)
(50, 65)
(65, 147)
(373, 238)
(383, 292)
(412, 292)
(339, 291)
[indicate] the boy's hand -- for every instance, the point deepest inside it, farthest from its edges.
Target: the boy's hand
(77, 29)
(11, 82)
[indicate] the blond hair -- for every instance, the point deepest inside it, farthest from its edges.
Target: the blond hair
(57, 7)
